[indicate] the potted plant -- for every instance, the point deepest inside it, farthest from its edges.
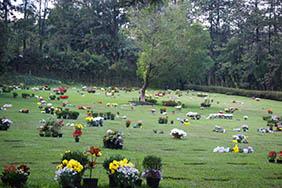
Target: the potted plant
(152, 170)
(122, 173)
(69, 173)
(272, 156)
(94, 153)
(77, 131)
(15, 176)
(106, 165)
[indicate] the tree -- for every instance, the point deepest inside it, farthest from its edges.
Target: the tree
(168, 42)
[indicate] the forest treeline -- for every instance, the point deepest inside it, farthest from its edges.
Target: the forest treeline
(167, 43)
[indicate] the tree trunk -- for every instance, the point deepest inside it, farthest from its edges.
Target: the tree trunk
(143, 91)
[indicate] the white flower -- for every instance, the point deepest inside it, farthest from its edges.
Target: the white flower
(178, 133)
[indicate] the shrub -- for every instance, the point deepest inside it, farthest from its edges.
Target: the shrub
(274, 95)
(152, 162)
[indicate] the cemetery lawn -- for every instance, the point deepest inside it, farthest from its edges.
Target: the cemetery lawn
(186, 163)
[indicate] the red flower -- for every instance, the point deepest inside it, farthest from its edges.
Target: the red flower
(95, 151)
(272, 154)
(10, 168)
(64, 97)
(77, 133)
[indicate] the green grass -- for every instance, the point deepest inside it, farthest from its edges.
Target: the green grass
(187, 163)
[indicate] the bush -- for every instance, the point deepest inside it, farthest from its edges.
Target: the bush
(152, 162)
(274, 95)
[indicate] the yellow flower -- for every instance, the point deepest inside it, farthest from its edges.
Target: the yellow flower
(235, 141)
(65, 162)
(236, 149)
(89, 118)
(60, 166)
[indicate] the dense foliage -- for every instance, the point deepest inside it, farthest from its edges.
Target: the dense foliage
(168, 43)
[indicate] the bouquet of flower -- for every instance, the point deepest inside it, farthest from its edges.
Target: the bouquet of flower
(124, 172)
(15, 176)
(5, 123)
(113, 139)
(94, 153)
(77, 131)
(178, 133)
(69, 173)
(272, 156)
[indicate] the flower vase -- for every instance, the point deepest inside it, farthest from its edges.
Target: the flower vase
(90, 183)
(112, 182)
(153, 182)
(76, 139)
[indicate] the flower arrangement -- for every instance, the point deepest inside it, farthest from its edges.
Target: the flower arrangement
(178, 133)
(5, 124)
(69, 173)
(138, 124)
(162, 110)
(15, 176)
(152, 170)
(206, 103)
(272, 156)
(66, 113)
(64, 97)
(163, 120)
(79, 156)
(94, 153)
(51, 128)
(77, 131)
(127, 123)
(24, 110)
(240, 138)
(123, 173)
(60, 90)
(113, 139)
